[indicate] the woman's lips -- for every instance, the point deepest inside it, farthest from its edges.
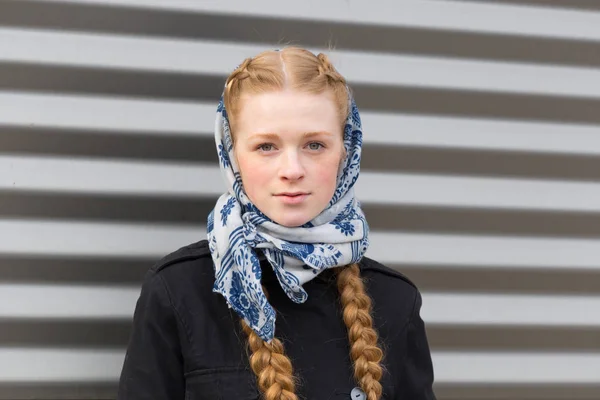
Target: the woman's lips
(292, 198)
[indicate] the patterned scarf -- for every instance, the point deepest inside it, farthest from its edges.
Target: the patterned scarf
(236, 228)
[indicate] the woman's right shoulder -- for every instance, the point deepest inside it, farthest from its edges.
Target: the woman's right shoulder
(186, 270)
(197, 254)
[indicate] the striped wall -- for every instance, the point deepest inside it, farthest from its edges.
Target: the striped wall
(481, 174)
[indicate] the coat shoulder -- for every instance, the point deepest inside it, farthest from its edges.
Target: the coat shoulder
(197, 251)
(370, 266)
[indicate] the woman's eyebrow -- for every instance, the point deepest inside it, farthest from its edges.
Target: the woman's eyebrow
(264, 136)
(317, 133)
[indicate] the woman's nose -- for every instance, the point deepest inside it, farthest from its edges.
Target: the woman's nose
(291, 166)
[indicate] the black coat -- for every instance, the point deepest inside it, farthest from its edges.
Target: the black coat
(187, 344)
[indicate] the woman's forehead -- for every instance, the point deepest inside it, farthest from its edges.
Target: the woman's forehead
(287, 112)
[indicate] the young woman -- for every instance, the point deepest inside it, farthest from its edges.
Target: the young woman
(280, 302)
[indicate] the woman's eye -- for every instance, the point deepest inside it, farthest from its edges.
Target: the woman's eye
(315, 146)
(265, 147)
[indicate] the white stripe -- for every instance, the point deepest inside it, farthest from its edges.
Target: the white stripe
(43, 365)
(67, 301)
(117, 115)
(80, 175)
(47, 301)
(108, 114)
(513, 309)
(432, 190)
(50, 238)
(188, 56)
(480, 134)
(516, 368)
(488, 18)
(97, 365)
(484, 251)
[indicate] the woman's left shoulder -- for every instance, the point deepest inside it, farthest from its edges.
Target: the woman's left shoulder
(381, 279)
(368, 265)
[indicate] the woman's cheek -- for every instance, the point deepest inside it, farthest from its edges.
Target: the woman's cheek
(246, 166)
(328, 172)
(261, 171)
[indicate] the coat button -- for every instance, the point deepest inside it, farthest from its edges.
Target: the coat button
(358, 394)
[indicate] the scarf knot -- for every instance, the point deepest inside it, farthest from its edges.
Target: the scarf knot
(251, 235)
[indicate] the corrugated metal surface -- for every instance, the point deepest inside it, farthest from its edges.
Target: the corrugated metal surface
(481, 167)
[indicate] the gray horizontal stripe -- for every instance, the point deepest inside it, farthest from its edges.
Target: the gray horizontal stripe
(74, 270)
(115, 334)
(58, 390)
(171, 23)
(506, 338)
(106, 207)
(517, 392)
(477, 104)
(137, 146)
(140, 146)
(67, 334)
(381, 217)
(482, 221)
(41, 78)
(430, 278)
(502, 280)
(480, 162)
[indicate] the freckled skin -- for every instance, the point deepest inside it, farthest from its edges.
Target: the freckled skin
(275, 155)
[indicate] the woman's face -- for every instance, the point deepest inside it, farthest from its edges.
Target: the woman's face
(289, 146)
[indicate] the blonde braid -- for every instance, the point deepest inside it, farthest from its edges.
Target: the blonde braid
(365, 353)
(327, 69)
(271, 366)
(239, 74)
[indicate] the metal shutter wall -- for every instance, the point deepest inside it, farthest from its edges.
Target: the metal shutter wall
(481, 174)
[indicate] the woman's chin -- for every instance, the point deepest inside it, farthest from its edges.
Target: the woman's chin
(291, 221)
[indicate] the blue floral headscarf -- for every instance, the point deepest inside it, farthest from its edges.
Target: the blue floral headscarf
(236, 228)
